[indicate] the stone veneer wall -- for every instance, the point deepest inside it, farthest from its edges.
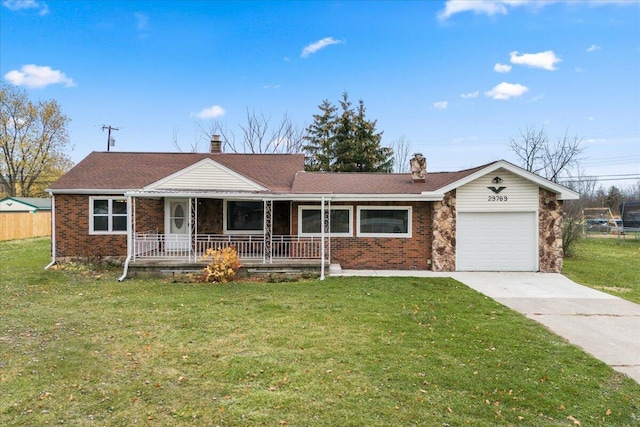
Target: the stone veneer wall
(443, 254)
(550, 239)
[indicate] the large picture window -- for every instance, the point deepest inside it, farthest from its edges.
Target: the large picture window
(310, 221)
(384, 221)
(244, 217)
(108, 215)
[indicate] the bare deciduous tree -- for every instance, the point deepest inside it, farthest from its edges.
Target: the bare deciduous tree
(176, 143)
(401, 150)
(539, 156)
(257, 134)
(563, 157)
(555, 162)
(530, 147)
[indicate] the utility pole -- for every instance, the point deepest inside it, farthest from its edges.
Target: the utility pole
(109, 128)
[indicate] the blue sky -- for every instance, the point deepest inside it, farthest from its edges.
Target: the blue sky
(456, 79)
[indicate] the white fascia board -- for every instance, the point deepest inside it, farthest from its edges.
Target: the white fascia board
(225, 169)
(182, 194)
(423, 197)
(563, 192)
(96, 191)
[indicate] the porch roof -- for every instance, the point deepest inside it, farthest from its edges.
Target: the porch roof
(133, 171)
(262, 195)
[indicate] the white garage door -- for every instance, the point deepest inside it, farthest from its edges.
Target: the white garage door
(496, 241)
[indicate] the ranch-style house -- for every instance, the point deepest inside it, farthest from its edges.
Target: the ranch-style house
(167, 209)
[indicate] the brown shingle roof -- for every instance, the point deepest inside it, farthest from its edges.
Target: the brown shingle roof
(373, 183)
(277, 172)
(130, 171)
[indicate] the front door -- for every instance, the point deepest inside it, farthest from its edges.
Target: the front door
(177, 225)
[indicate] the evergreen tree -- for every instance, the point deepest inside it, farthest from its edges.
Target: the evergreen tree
(345, 142)
(320, 139)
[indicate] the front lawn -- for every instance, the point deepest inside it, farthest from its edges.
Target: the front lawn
(78, 348)
(610, 265)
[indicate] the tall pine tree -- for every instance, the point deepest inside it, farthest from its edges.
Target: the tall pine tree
(345, 142)
(320, 139)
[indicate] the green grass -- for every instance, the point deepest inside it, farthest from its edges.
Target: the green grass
(607, 264)
(79, 348)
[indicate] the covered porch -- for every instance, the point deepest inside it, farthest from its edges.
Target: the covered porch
(250, 248)
(259, 228)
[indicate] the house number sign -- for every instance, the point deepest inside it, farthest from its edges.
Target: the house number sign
(497, 190)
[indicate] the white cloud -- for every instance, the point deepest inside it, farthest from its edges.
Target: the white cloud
(593, 48)
(316, 46)
(470, 95)
(37, 76)
(506, 91)
(502, 7)
(501, 68)
(488, 7)
(210, 113)
(441, 105)
(16, 5)
(545, 60)
(578, 69)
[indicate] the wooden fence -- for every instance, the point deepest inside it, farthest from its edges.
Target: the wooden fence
(23, 225)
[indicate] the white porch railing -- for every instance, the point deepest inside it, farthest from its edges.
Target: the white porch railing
(162, 246)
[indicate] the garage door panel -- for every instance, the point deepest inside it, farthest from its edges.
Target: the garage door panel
(496, 241)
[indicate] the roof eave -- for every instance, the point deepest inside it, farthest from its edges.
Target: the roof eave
(87, 191)
(343, 197)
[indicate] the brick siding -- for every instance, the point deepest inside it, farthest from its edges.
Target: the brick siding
(72, 231)
(391, 253)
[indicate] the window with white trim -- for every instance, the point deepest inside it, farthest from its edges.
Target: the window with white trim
(384, 221)
(243, 216)
(107, 215)
(310, 221)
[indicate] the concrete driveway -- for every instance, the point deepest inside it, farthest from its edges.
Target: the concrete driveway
(605, 326)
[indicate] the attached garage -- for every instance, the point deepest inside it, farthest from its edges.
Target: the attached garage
(497, 224)
(497, 241)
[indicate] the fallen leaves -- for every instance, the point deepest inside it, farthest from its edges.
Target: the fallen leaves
(575, 421)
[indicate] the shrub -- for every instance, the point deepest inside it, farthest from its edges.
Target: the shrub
(223, 264)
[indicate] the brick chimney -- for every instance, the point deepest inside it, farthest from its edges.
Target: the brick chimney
(216, 145)
(418, 168)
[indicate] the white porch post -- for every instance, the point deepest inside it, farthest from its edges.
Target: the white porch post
(193, 227)
(131, 241)
(322, 231)
(268, 231)
(328, 228)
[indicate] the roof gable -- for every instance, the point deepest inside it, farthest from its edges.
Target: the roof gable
(563, 192)
(25, 204)
(206, 175)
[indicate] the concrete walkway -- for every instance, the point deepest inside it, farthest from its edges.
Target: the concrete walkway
(603, 325)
